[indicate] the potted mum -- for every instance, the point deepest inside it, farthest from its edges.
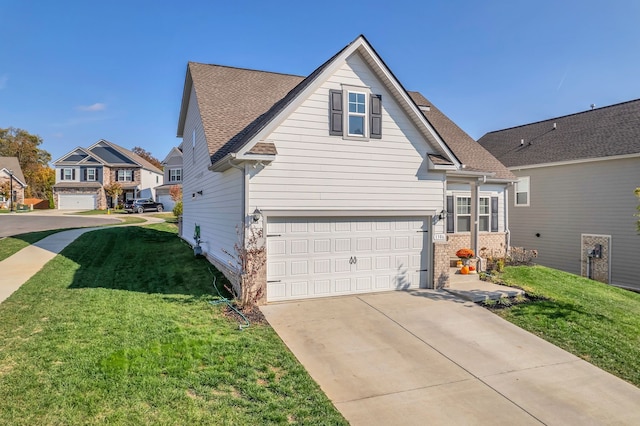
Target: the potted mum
(464, 254)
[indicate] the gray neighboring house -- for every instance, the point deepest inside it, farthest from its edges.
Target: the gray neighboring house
(172, 165)
(575, 191)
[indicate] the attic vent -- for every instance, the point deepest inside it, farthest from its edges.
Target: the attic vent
(425, 108)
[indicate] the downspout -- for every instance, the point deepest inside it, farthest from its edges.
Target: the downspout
(506, 219)
(244, 189)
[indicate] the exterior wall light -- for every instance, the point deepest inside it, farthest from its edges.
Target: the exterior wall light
(257, 214)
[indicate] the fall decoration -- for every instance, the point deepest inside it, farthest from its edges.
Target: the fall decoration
(465, 253)
(464, 270)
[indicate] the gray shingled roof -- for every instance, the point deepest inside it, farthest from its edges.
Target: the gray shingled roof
(602, 132)
(468, 151)
(236, 103)
(12, 163)
(231, 99)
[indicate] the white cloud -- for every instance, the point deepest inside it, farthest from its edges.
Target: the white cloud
(3, 81)
(98, 106)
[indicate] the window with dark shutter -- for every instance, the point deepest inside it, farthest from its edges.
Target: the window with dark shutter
(450, 222)
(376, 117)
(335, 112)
(494, 214)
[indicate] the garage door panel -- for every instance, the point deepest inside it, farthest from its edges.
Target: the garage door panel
(77, 201)
(318, 257)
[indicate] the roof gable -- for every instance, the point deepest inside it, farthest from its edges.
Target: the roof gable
(77, 156)
(238, 107)
(599, 133)
(115, 155)
(12, 164)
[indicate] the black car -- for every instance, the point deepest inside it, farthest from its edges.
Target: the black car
(141, 205)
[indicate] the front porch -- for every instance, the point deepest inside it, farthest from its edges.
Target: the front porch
(471, 287)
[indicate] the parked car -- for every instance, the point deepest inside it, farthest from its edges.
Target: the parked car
(141, 205)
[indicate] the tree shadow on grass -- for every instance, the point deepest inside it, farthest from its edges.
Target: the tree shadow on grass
(142, 260)
(555, 311)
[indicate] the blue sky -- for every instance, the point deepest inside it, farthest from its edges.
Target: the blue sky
(75, 72)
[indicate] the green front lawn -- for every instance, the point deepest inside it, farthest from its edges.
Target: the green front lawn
(119, 329)
(594, 321)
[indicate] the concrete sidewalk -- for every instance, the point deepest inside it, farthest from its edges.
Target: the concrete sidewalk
(21, 266)
(428, 357)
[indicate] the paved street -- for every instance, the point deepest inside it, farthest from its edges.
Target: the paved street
(20, 223)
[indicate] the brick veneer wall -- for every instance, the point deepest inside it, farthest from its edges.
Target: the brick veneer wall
(441, 265)
(599, 266)
(496, 241)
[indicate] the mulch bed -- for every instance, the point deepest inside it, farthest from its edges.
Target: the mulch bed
(254, 315)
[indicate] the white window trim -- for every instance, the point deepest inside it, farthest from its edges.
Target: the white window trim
(528, 192)
(64, 174)
(366, 91)
(487, 215)
(172, 175)
(456, 196)
(125, 173)
(95, 175)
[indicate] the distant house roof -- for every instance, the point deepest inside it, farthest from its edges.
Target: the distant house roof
(235, 104)
(109, 154)
(602, 132)
(12, 163)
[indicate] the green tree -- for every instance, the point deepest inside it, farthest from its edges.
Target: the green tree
(33, 160)
(113, 190)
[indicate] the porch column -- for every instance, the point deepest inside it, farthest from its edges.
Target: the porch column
(475, 217)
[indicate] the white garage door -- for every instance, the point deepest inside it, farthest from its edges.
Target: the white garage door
(318, 257)
(77, 202)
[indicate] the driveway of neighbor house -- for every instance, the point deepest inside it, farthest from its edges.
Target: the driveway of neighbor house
(428, 357)
(21, 223)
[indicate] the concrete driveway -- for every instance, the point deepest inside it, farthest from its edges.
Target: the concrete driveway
(20, 223)
(427, 357)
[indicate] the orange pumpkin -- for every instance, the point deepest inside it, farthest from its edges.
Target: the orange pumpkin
(464, 270)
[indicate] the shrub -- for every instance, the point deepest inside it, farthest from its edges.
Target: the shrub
(177, 209)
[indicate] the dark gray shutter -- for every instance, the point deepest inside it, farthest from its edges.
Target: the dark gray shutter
(61, 174)
(73, 174)
(450, 216)
(376, 117)
(85, 174)
(335, 112)
(494, 214)
(133, 175)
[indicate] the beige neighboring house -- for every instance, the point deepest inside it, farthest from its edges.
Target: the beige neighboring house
(574, 200)
(11, 172)
(82, 174)
(358, 185)
(172, 165)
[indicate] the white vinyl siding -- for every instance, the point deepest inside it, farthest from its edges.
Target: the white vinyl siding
(585, 198)
(316, 171)
(218, 210)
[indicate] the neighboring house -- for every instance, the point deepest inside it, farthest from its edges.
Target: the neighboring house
(347, 173)
(575, 192)
(11, 175)
(172, 177)
(82, 174)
